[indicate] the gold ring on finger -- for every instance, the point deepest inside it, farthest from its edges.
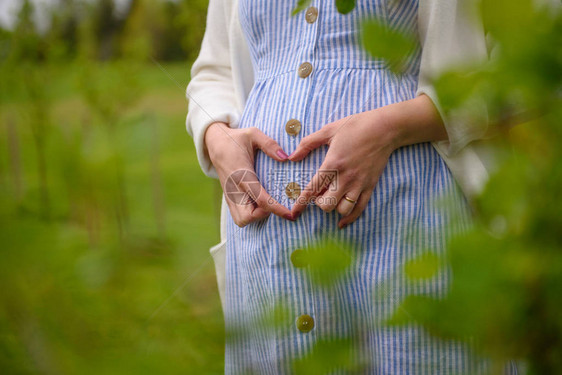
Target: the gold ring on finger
(349, 199)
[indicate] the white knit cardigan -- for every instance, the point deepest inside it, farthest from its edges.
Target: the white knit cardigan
(450, 36)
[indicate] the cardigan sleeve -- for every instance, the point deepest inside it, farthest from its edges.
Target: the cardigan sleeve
(210, 91)
(451, 35)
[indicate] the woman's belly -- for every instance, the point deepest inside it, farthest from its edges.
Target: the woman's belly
(405, 196)
(287, 108)
(401, 221)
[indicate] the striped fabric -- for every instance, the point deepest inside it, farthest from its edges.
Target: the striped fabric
(402, 220)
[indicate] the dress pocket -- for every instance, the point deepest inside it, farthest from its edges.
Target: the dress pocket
(218, 252)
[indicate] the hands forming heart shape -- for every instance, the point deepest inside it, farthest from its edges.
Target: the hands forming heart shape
(359, 147)
(358, 150)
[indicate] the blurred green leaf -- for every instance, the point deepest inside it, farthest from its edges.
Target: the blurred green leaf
(301, 5)
(345, 6)
(383, 42)
(423, 267)
(328, 356)
(504, 18)
(328, 262)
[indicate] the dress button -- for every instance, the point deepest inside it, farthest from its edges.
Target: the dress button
(293, 127)
(305, 69)
(298, 258)
(305, 323)
(311, 14)
(293, 190)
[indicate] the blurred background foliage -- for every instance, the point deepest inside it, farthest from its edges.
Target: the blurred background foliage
(106, 218)
(507, 270)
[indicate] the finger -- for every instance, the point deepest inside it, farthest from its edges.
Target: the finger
(269, 204)
(241, 214)
(248, 214)
(317, 185)
(259, 213)
(362, 201)
(309, 143)
(328, 201)
(249, 184)
(345, 206)
(241, 189)
(263, 200)
(268, 145)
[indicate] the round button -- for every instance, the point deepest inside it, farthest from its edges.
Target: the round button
(293, 190)
(293, 127)
(311, 14)
(305, 69)
(305, 323)
(298, 258)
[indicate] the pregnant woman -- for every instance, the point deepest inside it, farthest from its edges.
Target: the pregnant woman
(329, 143)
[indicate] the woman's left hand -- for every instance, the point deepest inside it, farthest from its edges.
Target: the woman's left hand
(359, 148)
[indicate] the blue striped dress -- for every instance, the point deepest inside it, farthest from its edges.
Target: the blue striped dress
(402, 220)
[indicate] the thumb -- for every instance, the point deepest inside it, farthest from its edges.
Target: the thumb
(268, 145)
(309, 143)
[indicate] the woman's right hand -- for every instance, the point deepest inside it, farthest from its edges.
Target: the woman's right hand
(232, 152)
